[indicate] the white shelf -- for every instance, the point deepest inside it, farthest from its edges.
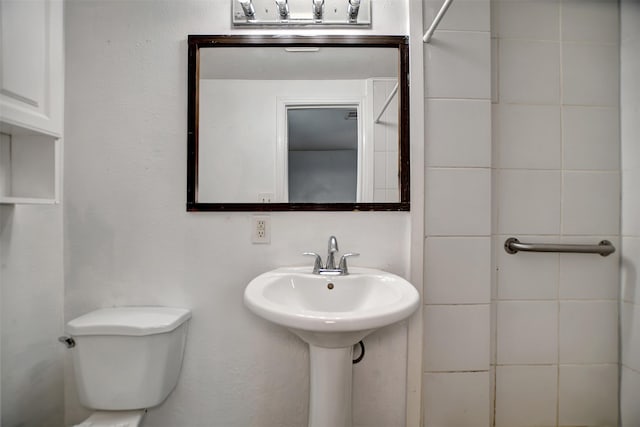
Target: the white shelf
(11, 128)
(26, 201)
(29, 169)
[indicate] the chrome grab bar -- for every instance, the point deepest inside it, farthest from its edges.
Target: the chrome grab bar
(513, 246)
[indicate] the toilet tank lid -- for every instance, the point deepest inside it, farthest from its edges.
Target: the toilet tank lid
(133, 321)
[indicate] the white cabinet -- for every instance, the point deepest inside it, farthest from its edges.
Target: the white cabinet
(31, 99)
(32, 75)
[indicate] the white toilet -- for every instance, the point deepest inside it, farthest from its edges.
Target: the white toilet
(126, 359)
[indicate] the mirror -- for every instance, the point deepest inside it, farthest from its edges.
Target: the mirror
(298, 123)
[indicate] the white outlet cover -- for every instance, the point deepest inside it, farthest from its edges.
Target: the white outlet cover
(261, 229)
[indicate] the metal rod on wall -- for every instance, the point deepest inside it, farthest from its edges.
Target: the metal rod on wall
(513, 246)
(436, 21)
(387, 102)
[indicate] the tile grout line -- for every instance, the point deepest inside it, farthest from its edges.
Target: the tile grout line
(495, 174)
(562, 205)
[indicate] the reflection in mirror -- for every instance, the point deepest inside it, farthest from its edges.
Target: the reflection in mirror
(322, 145)
(294, 127)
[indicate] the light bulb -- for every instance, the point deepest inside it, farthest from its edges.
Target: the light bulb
(247, 8)
(318, 6)
(354, 7)
(283, 8)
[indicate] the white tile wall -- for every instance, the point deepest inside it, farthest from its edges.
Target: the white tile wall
(588, 332)
(385, 141)
(392, 194)
(588, 395)
(628, 18)
(597, 21)
(456, 337)
(526, 396)
(457, 65)
(630, 335)
(379, 194)
(528, 136)
(630, 127)
(629, 392)
(529, 71)
(458, 202)
(631, 202)
(447, 282)
(529, 202)
(591, 138)
(630, 67)
(494, 70)
(527, 332)
(590, 203)
(557, 158)
(456, 399)
(379, 169)
(466, 15)
(584, 280)
(590, 74)
(458, 132)
(529, 19)
(532, 276)
(458, 217)
(391, 170)
(590, 277)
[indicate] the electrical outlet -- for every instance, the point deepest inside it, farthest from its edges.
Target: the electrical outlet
(265, 197)
(261, 229)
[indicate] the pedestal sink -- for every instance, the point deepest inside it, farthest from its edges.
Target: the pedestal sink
(331, 314)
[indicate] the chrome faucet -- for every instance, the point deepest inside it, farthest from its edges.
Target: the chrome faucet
(331, 250)
(330, 267)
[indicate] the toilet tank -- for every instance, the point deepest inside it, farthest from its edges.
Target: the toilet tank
(128, 357)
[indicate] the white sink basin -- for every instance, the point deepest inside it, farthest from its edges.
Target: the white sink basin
(331, 311)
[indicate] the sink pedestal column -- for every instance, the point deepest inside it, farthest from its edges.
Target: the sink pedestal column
(330, 386)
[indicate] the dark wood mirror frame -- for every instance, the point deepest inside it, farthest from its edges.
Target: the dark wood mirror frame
(196, 42)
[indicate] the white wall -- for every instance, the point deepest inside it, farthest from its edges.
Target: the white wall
(31, 237)
(630, 262)
(129, 240)
(556, 158)
(31, 302)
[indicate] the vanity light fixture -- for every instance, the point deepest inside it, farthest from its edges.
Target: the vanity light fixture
(283, 8)
(301, 13)
(248, 9)
(318, 9)
(352, 11)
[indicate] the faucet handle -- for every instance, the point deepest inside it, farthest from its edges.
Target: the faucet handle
(317, 264)
(343, 262)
